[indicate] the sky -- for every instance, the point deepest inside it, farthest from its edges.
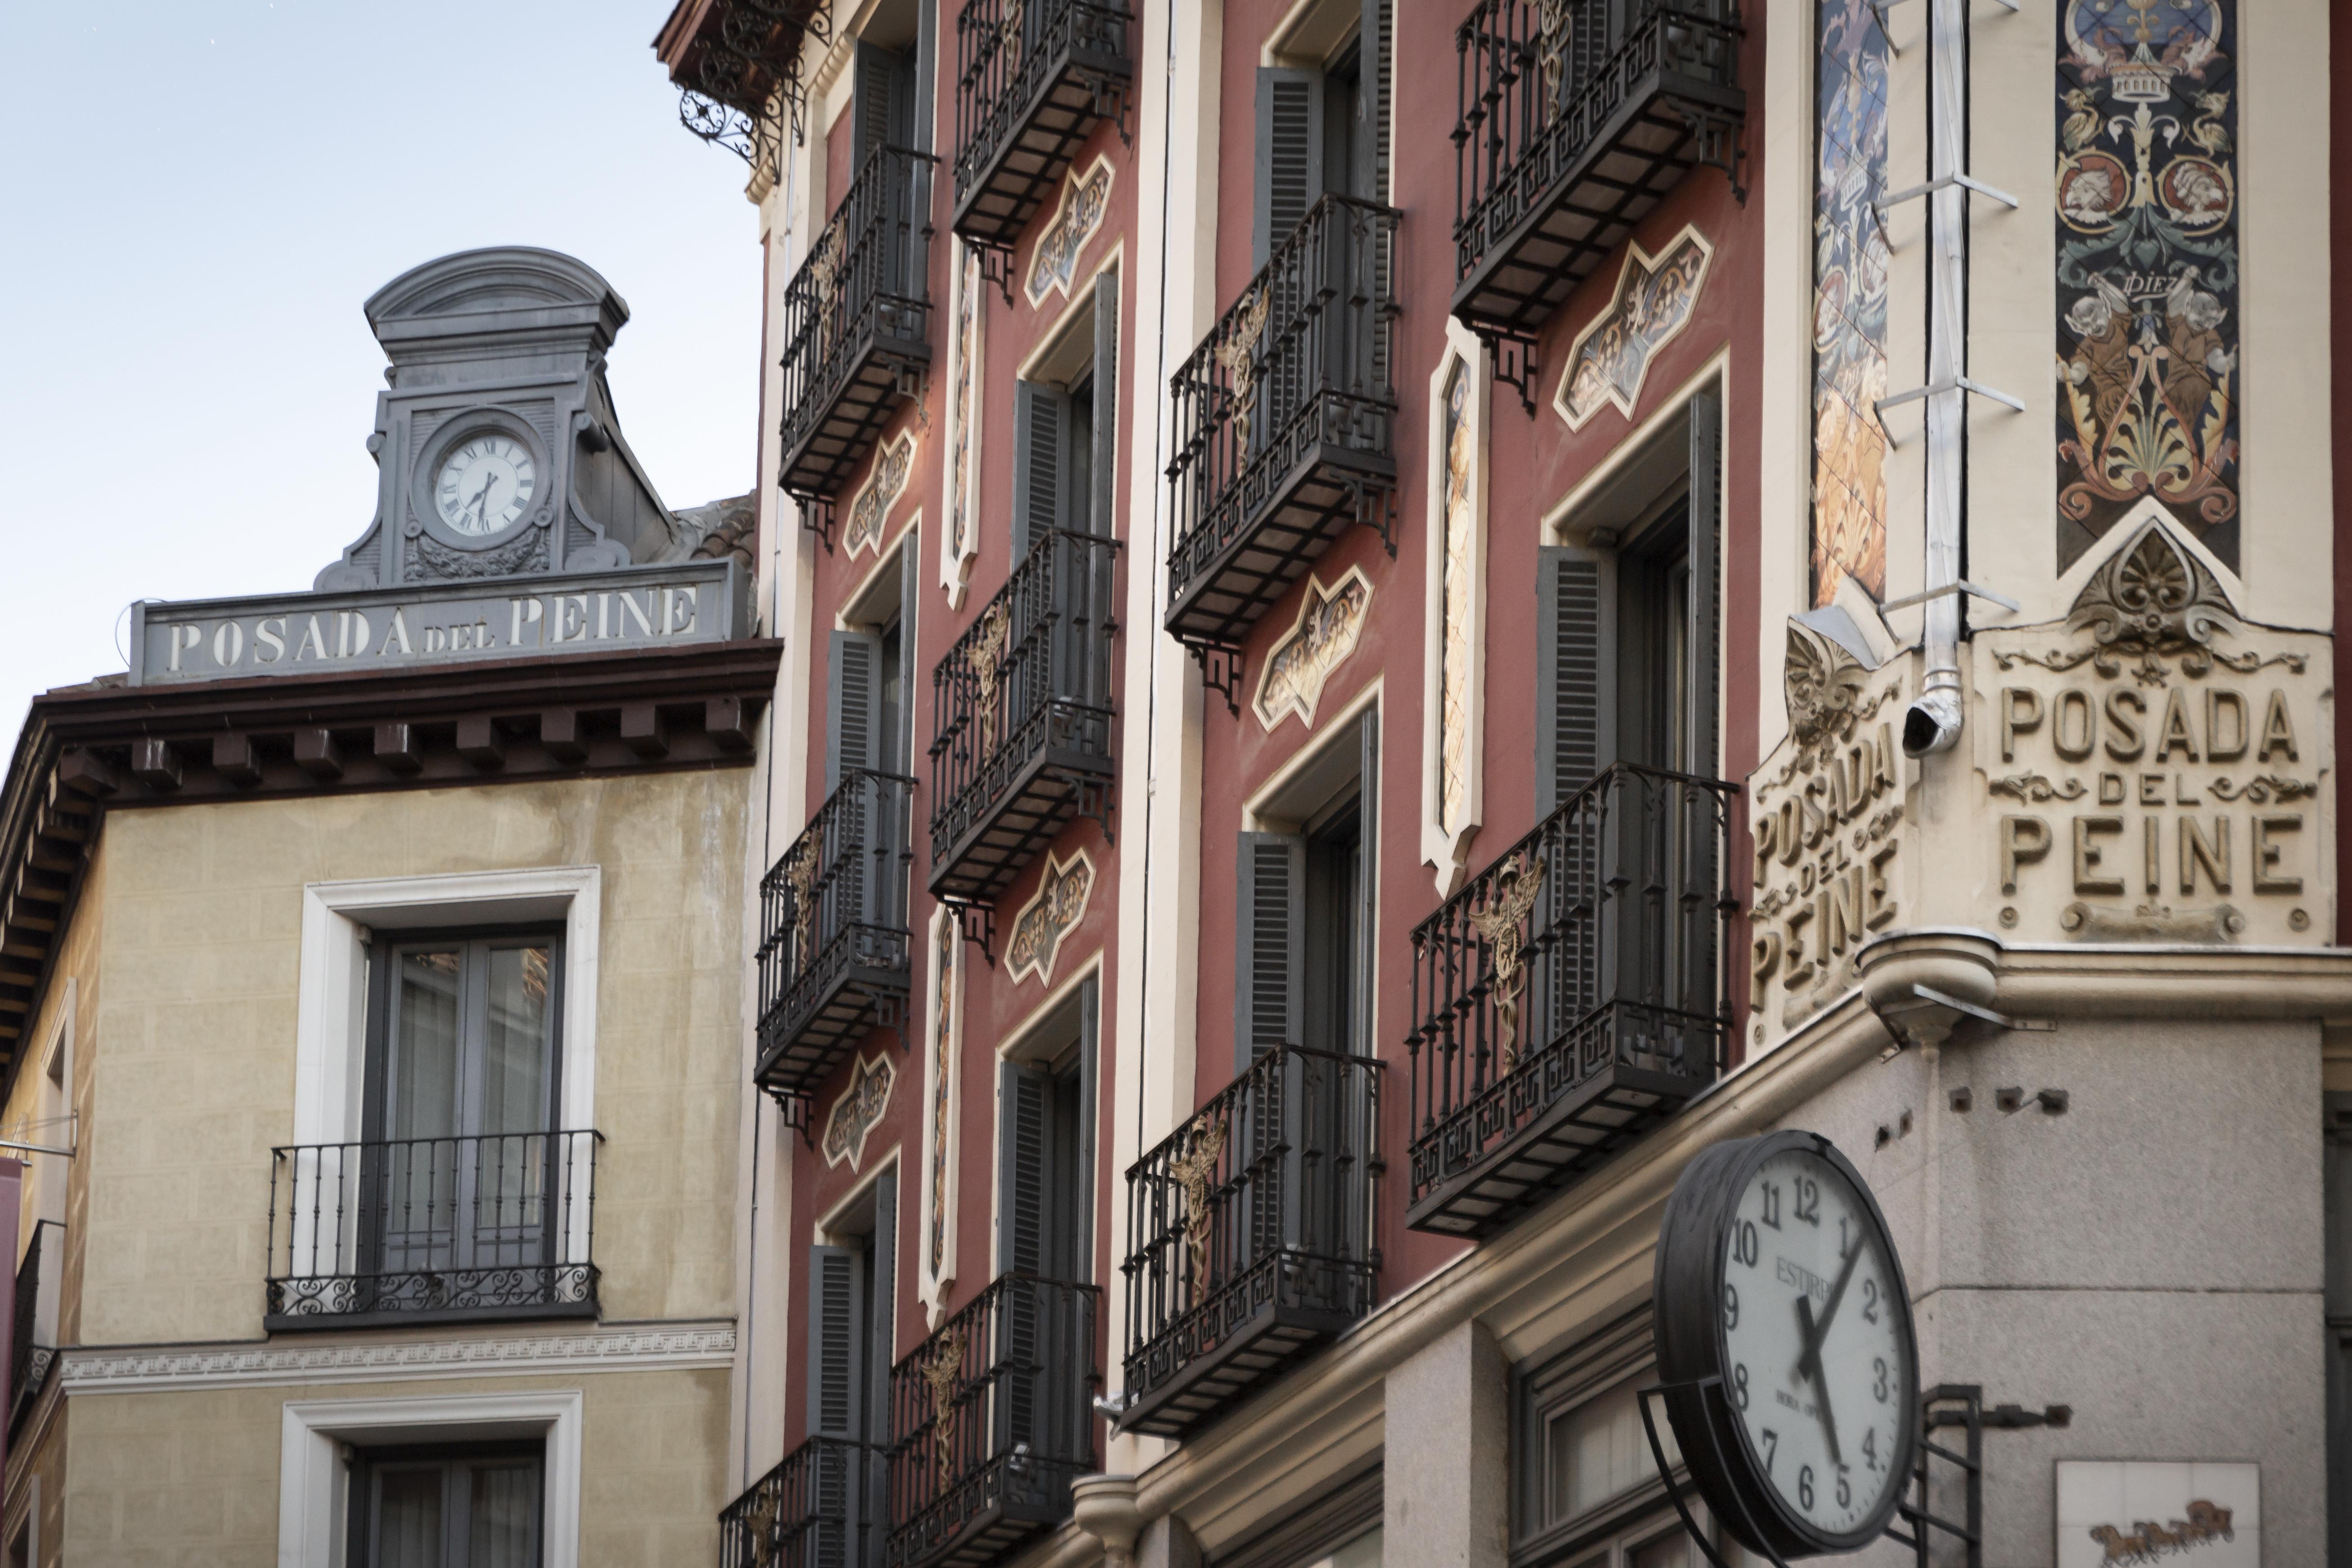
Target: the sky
(196, 198)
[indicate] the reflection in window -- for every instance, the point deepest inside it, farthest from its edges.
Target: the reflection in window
(1598, 1450)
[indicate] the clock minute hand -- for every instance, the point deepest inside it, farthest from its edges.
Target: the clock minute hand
(1817, 1328)
(476, 506)
(1812, 1329)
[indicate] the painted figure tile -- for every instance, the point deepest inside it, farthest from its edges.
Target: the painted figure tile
(2146, 199)
(1849, 265)
(1461, 527)
(1653, 301)
(1086, 202)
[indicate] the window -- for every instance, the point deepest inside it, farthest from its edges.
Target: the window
(1065, 428)
(447, 1508)
(1303, 967)
(1045, 1133)
(1322, 117)
(869, 723)
(1586, 1493)
(853, 1295)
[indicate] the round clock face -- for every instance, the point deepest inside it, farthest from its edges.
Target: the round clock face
(484, 483)
(1816, 1343)
(1777, 1277)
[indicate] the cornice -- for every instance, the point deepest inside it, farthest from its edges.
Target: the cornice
(633, 1347)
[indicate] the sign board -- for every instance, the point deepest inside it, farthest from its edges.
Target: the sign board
(446, 623)
(2208, 1515)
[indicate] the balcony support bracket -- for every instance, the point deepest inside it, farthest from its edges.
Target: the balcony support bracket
(799, 1113)
(995, 266)
(977, 924)
(1374, 502)
(1514, 363)
(1109, 91)
(1093, 794)
(1220, 671)
(816, 516)
(889, 1013)
(1722, 144)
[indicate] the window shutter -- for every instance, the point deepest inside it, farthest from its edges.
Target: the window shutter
(854, 668)
(1024, 1185)
(1270, 969)
(1367, 887)
(1576, 671)
(1040, 460)
(1289, 153)
(836, 1314)
(1703, 638)
(1376, 35)
(881, 1348)
(884, 90)
(1103, 504)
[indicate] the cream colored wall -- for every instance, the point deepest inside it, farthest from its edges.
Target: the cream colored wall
(180, 1480)
(192, 1040)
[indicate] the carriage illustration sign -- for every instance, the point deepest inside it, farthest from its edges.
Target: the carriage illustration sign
(2197, 1513)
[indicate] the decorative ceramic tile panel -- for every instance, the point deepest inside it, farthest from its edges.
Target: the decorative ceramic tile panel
(960, 541)
(2196, 1512)
(942, 1038)
(858, 1109)
(1057, 906)
(869, 510)
(1459, 586)
(1850, 263)
(2146, 196)
(1086, 202)
(1318, 643)
(1611, 358)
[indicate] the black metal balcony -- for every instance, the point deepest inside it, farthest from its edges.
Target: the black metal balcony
(856, 323)
(33, 1346)
(991, 1419)
(1020, 718)
(1570, 998)
(1034, 77)
(1285, 419)
(833, 938)
(431, 1229)
(1252, 1233)
(808, 1512)
(1568, 136)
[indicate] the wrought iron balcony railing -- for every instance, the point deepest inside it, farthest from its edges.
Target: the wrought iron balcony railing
(1252, 1233)
(1034, 77)
(991, 1419)
(1576, 118)
(33, 1344)
(808, 1512)
(1020, 718)
(856, 323)
(833, 938)
(1285, 419)
(447, 1230)
(1570, 998)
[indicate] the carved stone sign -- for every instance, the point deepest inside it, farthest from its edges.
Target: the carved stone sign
(383, 628)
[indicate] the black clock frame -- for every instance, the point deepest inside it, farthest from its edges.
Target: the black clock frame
(1687, 1284)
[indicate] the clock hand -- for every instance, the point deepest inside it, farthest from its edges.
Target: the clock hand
(1813, 1330)
(1810, 1362)
(476, 506)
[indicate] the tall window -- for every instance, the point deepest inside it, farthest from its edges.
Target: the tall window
(462, 1102)
(447, 1508)
(1322, 117)
(1066, 430)
(1046, 1147)
(1586, 1492)
(852, 1302)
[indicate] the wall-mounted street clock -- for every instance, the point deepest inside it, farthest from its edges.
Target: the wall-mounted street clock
(1786, 1346)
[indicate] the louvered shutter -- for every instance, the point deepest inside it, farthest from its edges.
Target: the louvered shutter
(881, 1348)
(1704, 633)
(884, 90)
(853, 670)
(837, 1386)
(1576, 671)
(1270, 967)
(1367, 887)
(1041, 429)
(1376, 36)
(1103, 503)
(1289, 153)
(1026, 1194)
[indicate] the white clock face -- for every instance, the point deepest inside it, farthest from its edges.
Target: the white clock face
(484, 484)
(1816, 1354)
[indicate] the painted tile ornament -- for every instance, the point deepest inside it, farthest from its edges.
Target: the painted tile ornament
(858, 1110)
(1611, 357)
(2146, 198)
(1850, 266)
(1057, 906)
(869, 510)
(1086, 202)
(2206, 1514)
(1460, 515)
(942, 1039)
(1330, 620)
(960, 541)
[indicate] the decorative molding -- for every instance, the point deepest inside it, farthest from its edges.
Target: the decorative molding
(1454, 670)
(1302, 659)
(869, 510)
(1653, 303)
(1057, 906)
(1086, 202)
(691, 1343)
(960, 541)
(858, 1109)
(942, 1101)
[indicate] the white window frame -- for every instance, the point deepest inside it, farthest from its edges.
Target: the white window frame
(314, 1485)
(330, 1005)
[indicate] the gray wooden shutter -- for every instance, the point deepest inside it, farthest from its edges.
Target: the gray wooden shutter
(852, 668)
(1376, 36)
(1270, 969)
(1103, 504)
(1367, 887)
(1576, 671)
(1081, 1192)
(1289, 153)
(1024, 1183)
(836, 1316)
(885, 89)
(1041, 430)
(882, 1345)
(1704, 638)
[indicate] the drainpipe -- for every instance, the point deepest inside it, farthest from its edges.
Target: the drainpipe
(1933, 723)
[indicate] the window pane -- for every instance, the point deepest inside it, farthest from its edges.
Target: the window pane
(1673, 1552)
(424, 1058)
(1598, 1450)
(408, 1518)
(504, 1516)
(514, 1065)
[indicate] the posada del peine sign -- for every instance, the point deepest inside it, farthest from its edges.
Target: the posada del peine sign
(382, 628)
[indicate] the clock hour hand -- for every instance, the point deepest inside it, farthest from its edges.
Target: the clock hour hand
(1809, 1365)
(478, 506)
(1812, 1331)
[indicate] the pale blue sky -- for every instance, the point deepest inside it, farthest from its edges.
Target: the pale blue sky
(195, 196)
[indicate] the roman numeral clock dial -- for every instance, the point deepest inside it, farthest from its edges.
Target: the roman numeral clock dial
(1776, 1277)
(483, 485)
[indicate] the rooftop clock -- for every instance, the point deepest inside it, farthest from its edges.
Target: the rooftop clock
(1786, 1346)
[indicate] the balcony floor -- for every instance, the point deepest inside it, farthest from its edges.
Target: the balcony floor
(1561, 1144)
(1250, 1355)
(995, 206)
(825, 458)
(1042, 797)
(1309, 507)
(800, 1048)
